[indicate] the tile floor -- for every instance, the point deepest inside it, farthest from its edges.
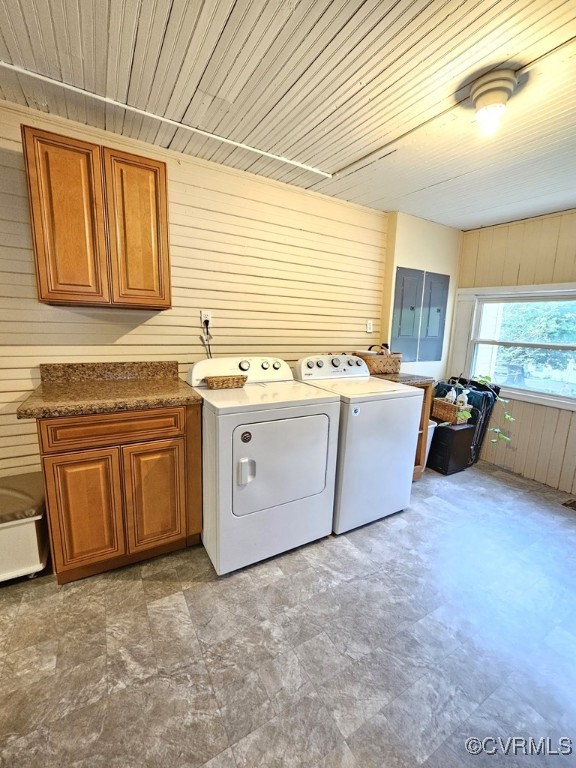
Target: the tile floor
(383, 648)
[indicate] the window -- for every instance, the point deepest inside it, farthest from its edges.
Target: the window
(527, 343)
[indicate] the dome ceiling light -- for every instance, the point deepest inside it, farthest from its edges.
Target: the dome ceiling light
(489, 94)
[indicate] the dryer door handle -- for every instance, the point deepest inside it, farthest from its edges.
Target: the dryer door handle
(246, 471)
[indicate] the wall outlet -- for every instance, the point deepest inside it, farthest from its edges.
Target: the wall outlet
(205, 314)
(369, 326)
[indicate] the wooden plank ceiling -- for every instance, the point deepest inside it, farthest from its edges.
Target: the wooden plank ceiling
(325, 83)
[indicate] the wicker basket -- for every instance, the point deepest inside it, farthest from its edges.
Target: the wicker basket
(225, 382)
(382, 363)
(445, 411)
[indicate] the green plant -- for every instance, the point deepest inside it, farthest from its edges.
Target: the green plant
(497, 430)
(538, 322)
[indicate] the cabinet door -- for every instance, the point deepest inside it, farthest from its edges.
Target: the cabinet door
(137, 218)
(84, 497)
(67, 208)
(154, 493)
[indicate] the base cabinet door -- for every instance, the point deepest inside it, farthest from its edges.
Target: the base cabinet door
(154, 488)
(84, 495)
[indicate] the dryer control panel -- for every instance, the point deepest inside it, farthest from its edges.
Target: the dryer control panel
(342, 366)
(257, 369)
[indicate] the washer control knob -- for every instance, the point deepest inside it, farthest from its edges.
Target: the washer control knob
(276, 365)
(358, 362)
(336, 362)
(310, 364)
(265, 365)
(244, 365)
(320, 363)
(350, 361)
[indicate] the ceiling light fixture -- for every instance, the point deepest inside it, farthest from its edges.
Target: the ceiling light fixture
(490, 94)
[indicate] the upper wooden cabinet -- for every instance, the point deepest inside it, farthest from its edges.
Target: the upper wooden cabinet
(99, 221)
(67, 205)
(137, 220)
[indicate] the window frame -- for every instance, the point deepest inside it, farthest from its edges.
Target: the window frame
(477, 298)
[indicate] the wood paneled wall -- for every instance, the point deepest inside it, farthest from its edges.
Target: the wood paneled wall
(535, 251)
(285, 272)
(530, 252)
(543, 445)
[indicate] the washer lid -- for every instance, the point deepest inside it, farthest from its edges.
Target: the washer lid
(360, 390)
(264, 396)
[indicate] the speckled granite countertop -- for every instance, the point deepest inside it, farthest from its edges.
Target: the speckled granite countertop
(62, 373)
(80, 389)
(411, 379)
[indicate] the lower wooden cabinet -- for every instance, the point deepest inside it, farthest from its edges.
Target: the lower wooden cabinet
(428, 386)
(154, 493)
(84, 495)
(109, 506)
(420, 463)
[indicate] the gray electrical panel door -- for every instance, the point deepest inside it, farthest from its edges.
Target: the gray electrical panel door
(407, 308)
(434, 301)
(419, 318)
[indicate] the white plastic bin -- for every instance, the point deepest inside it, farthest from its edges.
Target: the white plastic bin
(23, 540)
(431, 427)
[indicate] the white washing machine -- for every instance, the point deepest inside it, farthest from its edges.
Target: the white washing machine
(269, 461)
(379, 423)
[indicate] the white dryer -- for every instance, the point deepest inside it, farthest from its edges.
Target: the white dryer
(269, 461)
(379, 422)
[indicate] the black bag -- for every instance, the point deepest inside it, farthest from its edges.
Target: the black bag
(482, 398)
(478, 386)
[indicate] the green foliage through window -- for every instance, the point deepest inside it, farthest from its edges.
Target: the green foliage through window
(528, 344)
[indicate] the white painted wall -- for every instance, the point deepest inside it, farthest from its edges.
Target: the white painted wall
(415, 243)
(285, 272)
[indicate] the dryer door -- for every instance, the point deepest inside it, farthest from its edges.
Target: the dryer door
(276, 462)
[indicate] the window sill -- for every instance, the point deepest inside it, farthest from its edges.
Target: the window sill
(539, 398)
